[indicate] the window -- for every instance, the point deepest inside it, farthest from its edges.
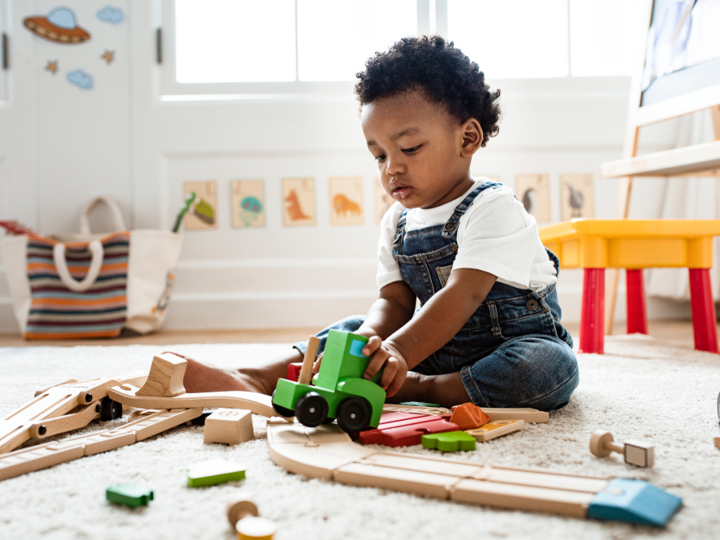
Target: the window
(548, 38)
(281, 47)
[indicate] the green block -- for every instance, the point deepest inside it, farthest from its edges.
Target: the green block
(452, 441)
(215, 471)
(129, 495)
(419, 404)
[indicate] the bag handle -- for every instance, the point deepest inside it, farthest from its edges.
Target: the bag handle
(114, 210)
(70, 282)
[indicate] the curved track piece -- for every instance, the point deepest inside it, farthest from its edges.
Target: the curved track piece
(251, 401)
(328, 452)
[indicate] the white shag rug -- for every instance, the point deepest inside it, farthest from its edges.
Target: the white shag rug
(638, 390)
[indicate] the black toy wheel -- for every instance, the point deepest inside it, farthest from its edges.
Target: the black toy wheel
(353, 414)
(111, 410)
(311, 409)
(282, 411)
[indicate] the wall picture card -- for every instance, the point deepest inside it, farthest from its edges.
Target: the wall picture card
(533, 191)
(202, 214)
(383, 201)
(577, 196)
(247, 198)
(346, 200)
(298, 201)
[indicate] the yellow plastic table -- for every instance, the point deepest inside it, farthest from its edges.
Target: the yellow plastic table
(596, 244)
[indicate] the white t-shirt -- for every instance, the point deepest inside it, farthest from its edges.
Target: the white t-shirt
(495, 235)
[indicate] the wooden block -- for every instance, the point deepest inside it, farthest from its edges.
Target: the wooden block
(452, 441)
(405, 429)
(236, 510)
(255, 528)
(294, 371)
(228, 426)
(530, 416)
(468, 416)
(129, 495)
(427, 411)
(496, 429)
(214, 471)
(166, 376)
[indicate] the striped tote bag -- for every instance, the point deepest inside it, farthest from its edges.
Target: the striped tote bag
(67, 288)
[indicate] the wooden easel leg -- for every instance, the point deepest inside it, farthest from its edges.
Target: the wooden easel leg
(636, 308)
(703, 310)
(613, 275)
(592, 316)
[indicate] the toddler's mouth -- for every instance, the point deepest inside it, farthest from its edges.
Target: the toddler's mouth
(400, 191)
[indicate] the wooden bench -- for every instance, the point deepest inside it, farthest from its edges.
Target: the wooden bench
(596, 244)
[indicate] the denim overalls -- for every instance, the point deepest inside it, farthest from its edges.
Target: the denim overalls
(513, 351)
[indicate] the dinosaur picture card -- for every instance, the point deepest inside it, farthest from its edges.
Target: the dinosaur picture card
(248, 203)
(202, 214)
(577, 196)
(533, 191)
(298, 201)
(346, 200)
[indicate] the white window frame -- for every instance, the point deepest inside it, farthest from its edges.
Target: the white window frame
(432, 18)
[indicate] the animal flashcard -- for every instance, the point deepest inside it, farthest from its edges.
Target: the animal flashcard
(577, 196)
(298, 201)
(346, 200)
(533, 191)
(202, 215)
(248, 203)
(383, 201)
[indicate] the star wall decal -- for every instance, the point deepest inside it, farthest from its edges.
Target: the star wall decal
(108, 56)
(52, 66)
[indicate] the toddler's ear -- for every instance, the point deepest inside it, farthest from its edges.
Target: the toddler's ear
(472, 136)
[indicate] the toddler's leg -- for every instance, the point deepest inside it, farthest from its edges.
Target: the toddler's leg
(200, 377)
(535, 371)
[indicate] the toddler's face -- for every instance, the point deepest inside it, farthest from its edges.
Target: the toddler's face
(418, 147)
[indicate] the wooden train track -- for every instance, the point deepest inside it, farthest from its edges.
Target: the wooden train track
(328, 452)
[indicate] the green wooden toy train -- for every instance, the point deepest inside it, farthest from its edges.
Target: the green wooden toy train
(338, 391)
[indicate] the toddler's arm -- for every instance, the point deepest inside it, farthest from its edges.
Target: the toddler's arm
(436, 324)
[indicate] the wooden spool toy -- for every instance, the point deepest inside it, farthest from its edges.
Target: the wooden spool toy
(635, 453)
(246, 521)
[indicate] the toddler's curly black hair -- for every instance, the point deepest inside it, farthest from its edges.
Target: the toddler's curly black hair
(442, 72)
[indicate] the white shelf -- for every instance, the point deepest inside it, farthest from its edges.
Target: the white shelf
(677, 162)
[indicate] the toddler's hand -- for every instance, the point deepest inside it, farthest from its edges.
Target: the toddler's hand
(389, 359)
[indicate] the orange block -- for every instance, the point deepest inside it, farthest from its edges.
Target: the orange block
(468, 416)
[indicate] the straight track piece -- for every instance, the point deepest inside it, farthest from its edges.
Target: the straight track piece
(46, 455)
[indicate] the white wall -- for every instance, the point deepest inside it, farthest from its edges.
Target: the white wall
(60, 146)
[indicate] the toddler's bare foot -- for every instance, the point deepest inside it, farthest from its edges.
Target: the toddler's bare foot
(201, 377)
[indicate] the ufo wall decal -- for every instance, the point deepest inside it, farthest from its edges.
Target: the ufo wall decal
(60, 26)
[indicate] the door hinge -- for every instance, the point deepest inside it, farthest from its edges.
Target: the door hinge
(158, 46)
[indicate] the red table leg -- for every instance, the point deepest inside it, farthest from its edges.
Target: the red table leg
(592, 316)
(636, 309)
(703, 310)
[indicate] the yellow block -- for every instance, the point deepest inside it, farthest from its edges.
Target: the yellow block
(632, 243)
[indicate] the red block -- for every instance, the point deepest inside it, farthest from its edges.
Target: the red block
(405, 429)
(294, 371)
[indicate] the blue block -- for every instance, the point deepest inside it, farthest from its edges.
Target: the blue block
(356, 347)
(634, 501)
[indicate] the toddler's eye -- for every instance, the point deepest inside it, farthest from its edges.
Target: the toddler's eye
(411, 150)
(380, 158)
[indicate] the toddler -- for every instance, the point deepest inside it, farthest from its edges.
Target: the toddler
(488, 329)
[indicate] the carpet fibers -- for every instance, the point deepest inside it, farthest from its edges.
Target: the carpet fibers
(638, 390)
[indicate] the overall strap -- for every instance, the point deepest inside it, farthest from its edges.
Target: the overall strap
(400, 230)
(451, 226)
